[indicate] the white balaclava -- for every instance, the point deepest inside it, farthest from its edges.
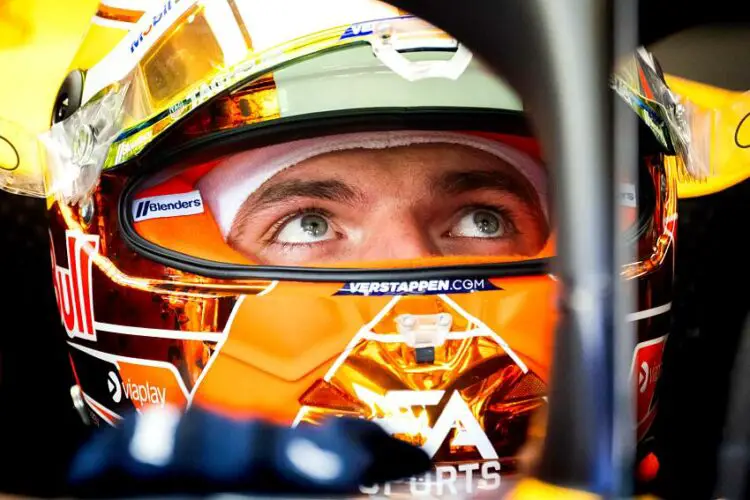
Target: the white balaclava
(226, 187)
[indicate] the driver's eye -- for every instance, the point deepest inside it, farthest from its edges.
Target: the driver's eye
(305, 228)
(480, 223)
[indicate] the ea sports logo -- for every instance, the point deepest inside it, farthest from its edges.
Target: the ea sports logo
(455, 415)
(113, 384)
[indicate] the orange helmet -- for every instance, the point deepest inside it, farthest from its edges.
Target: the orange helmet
(297, 212)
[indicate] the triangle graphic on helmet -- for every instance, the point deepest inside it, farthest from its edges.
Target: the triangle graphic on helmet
(421, 369)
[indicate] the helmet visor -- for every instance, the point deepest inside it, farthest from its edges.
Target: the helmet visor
(381, 191)
(355, 198)
(337, 160)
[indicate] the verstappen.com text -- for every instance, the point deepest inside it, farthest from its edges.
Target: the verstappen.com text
(445, 479)
(417, 287)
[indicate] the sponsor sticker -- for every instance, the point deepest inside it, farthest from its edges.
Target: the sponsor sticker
(159, 22)
(445, 479)
(118, 384)
(645, 373)
(131, 147)
(628, 195)
(466, 477)
(417, 287)
(73, 284)
(367, 27)
(169, 205)
(101, 381)
(147, 385)
(358, 29)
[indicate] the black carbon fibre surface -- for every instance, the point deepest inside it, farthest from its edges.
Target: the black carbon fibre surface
(38, 426)
(710, 307)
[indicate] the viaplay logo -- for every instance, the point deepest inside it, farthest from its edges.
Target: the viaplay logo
(170, 205)
(113, 386)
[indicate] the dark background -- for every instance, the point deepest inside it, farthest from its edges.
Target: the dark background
(713, 265)
(39, 428)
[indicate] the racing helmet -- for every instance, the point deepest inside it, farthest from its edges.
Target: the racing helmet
(297, 211)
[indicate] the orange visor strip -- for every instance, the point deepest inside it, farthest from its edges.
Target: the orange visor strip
(118, 14)
(205, 288)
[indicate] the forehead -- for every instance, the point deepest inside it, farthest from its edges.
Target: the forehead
(427, 157)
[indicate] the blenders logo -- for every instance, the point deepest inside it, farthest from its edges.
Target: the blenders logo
(73, 288)
(170, 205)
(420, 287)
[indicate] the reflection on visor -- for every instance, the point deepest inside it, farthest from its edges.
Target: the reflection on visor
(204, 53)
(181, 59)
(212, 46)
(330, 78)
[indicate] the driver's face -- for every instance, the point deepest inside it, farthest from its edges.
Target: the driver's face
(407, 202)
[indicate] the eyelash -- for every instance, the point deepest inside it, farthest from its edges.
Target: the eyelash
(503, 212)
(278, 225)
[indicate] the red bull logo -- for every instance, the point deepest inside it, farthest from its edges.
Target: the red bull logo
(73, 285)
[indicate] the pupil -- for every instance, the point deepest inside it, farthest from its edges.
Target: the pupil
(486, 222)
(314, 225)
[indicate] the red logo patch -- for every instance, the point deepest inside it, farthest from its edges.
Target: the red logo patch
(646, 371)
(73, 285)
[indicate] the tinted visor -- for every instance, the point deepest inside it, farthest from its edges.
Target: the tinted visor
(374, 194)
(359, 198)
(335, 161)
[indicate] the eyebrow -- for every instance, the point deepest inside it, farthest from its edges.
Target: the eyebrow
(331, 190)
(454, 183)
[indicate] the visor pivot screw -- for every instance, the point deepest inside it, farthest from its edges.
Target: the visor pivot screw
(80, 406)
(679, 110)
(445, 320)
(384, 31)
(83, 144)
(87, 211)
